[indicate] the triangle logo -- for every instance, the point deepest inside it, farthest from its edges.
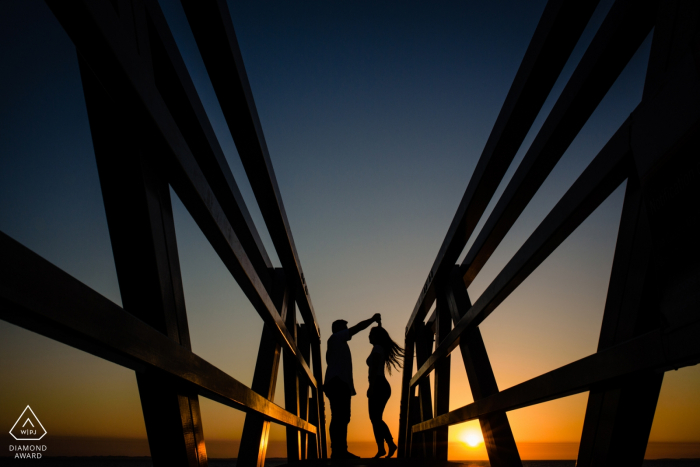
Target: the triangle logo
(28, 427)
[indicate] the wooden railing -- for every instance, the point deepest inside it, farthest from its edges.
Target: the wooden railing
(150, 131)
(650, 322)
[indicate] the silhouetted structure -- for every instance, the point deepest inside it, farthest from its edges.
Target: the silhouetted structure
(651, 322)
(150, 131)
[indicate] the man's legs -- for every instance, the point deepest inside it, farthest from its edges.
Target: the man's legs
(339, 396)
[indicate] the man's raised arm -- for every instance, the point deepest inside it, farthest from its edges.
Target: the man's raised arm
(362, 325)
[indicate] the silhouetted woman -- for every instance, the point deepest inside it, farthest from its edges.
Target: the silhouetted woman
(385, 354)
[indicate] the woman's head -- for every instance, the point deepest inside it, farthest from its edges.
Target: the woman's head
(392, 351)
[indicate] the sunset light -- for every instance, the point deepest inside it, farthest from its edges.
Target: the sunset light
(492, 203)
(472, 438)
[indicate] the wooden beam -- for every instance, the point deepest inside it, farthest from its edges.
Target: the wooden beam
(654, 351)
(142, 233)
(256, 429)
(291, 392)
(560, 26)
(424, 346)
(211, 24)
(498, 436)
(601, 177)
(441, 383)
(320, 409)
(110, 52)
(404, 426)
(625, 27)
(175, 85)
(619, 416)
(38, 296)
(305, 348)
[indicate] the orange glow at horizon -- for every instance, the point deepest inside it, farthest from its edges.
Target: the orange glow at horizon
(471, 437)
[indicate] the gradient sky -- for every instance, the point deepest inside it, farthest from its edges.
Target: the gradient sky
(375, 116)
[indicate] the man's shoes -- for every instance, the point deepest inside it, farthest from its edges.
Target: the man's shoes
(343, 455)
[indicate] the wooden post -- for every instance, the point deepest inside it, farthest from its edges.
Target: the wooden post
(291, 389)
(424, 347)
(142, 231)
(498, 436)
(320, 403)
(443, 326)
(404, 425)
(305, 349)
(143, 239)
(619, 417)
(256, 429)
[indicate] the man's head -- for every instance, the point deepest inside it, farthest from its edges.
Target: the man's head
(339, 325)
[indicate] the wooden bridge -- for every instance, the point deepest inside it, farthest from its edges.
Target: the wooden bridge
(150, 130)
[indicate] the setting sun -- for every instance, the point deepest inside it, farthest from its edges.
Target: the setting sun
(472, 438)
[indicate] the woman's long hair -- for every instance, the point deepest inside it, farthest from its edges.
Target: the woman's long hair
(392, 351)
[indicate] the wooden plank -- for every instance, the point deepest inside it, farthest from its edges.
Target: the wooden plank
(654, 351)
(211, 24)
(619, 416)
(595, 184)
(175, 85)
(111, 54)
(556, 35)
(625, 27)
(441, 383)
(37, 296)
(256, 429)
(291, 392)
(424, 346)
(142, 233)
(404, 428)
(305, 348)
(318, 394)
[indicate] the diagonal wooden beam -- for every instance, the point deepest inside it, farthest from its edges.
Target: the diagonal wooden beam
(498, 436)
(211, 24)
(127, 76)
(142, 233)
(654, 351)
(38, 296)
(625, 27)
(256, 429)
(560, 26)
(601, 177)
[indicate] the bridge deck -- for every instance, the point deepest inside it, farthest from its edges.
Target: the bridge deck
(378, 462)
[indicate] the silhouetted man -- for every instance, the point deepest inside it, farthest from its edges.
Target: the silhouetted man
(339, 387)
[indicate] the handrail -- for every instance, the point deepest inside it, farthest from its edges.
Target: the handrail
(38, 296)
(103, 46)
(213, 30)
(556, 35)
(601, 177)
(654, 351)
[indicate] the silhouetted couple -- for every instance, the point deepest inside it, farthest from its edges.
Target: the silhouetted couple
(339, 385)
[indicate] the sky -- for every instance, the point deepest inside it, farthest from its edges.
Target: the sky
(375, 115)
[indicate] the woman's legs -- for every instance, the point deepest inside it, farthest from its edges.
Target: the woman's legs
(377, 399)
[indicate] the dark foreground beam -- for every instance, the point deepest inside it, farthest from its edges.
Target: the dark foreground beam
(212, 27)
(619, 37)
(111, 50)
(655, 351)
(556, 35)
(605, 173)
(38, 296)
(176, 86)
